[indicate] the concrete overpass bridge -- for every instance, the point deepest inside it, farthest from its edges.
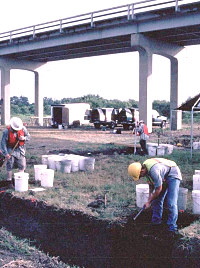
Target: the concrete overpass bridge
(162, 27)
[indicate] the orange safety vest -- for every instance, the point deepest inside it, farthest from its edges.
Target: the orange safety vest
(145, 129)
(12, 138)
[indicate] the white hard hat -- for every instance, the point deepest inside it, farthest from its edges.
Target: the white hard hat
(141, 121)
(16, 123)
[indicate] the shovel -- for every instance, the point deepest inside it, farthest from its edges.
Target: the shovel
(138, 213)
(4, 162)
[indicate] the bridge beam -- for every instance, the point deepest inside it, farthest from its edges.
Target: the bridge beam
(6, 65)
(147, 47)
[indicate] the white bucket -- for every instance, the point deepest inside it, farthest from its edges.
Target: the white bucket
(151, 150)
(37, 171)
(47, 178)
(52, 161)
(74, 161)
(60, 127)
(58, 164)
(89, 163)
(160, 150)
(142, 194)
(45, 159)
(82, 162)
(21, 181)
(196, 182)
(66, 165)
(182, 198)
(196, 201)
(169, 148)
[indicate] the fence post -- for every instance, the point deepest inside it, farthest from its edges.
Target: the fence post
(177, 8)
(10, 36)
(92, 22)
(61, 26)
(33, 32)
(128, 15)
(132, 14)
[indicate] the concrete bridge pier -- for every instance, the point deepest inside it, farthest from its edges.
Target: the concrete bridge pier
(5, 66)
(146, 48)
(145, 86)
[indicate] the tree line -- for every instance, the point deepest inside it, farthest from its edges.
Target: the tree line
(21, 105)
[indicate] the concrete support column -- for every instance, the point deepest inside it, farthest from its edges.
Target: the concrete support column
(38, 101)
(176, 116)
(5, 96)
(145, 84)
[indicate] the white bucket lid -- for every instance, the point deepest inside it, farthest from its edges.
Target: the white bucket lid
(45, 155)
(47, 171)
(196, 176)
(21, 175)
(142, 188)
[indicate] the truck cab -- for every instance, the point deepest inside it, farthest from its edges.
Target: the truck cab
(158, 120)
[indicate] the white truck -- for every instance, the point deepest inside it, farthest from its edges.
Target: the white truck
(69, 114)
(158, 120)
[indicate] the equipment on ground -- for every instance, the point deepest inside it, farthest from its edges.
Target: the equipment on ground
(138, 213)
(3, 159)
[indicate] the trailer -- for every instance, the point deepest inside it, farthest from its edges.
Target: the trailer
(69, 114)
(104, 117)
(128, 118)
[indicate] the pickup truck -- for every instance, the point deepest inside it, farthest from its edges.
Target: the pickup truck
(158, 120)
(128, 118)
(104, 117)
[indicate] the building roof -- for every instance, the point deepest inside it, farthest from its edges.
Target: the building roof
(193, 103)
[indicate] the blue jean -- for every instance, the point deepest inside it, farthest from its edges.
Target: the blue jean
(171, 193)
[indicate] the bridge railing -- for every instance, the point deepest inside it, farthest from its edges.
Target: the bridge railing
(129, 11)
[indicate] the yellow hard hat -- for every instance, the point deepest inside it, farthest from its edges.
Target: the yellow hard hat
(134, 170)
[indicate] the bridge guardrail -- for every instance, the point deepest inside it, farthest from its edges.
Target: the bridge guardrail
(130, 11)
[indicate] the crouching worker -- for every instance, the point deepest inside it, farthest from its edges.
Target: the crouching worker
(13, 147)
(164, 178)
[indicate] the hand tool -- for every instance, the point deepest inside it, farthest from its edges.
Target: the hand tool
(138, 213)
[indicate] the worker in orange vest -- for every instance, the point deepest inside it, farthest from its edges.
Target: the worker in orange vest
(13, 147)
(142, 131)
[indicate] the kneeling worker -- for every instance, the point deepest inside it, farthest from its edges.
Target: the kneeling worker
(13, 146)
(164, 177)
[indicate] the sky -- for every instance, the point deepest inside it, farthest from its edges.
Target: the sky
(111, 76)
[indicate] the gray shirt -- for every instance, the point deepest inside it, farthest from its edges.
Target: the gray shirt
(160, 170)
(20, 150)
(140, 130)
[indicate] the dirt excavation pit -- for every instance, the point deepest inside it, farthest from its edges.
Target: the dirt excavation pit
(125, 150)
(85, 241)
